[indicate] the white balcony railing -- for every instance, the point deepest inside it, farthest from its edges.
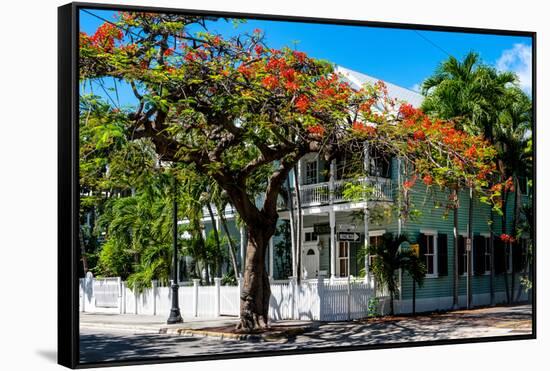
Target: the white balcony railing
(320, 193)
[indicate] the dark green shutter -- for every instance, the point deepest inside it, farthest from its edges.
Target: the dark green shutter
(479, 255)
(442, 263)
(461, 267)
(518, 258)
(500, 262)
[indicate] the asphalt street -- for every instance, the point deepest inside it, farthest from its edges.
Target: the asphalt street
(108, 344)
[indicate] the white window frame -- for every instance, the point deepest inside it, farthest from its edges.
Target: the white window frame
(376, 233)
(345, 258)
(310, 161)
(433, 233)
(487, 237)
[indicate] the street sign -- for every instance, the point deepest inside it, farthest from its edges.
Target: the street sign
(468, 244)
(415, 249)
(347, 227)
(348, 236)
(322, 228)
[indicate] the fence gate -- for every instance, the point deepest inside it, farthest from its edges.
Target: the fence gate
(107, 292)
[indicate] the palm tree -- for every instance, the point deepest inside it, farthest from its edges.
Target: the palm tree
(513, 135)
(138, 234)
(388, 257)
(470, 94)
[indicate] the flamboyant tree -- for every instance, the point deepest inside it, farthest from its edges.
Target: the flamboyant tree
(244, 114)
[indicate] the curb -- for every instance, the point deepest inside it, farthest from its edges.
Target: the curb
(273, 337)
(137, 329)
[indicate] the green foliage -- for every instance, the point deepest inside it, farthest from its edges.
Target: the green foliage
(388, 257)
(372, 307)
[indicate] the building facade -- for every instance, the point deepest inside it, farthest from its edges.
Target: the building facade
(335, 230)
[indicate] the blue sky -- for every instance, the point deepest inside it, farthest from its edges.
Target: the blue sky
(402, 57)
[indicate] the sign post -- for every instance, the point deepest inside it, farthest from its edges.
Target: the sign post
(468, 270)
(416, 251)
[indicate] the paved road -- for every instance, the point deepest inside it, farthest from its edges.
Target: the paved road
(111, 344)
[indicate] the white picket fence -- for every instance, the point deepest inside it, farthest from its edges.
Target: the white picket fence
(319, 299)
(322, 300)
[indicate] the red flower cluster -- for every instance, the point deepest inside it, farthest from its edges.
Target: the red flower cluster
(245, 70)
(509, 184)
(428, 180)
(302, 103)
(408, 184)
(507, 238)
(168, 52)
(270, 82)
(105, 36)
(419, 135)
(216, 40)
(258, 49)
(407, 110)
(332, 88)
(471, 152)
(275, 64)
(362, 128)
(316, 130)
(300, 56)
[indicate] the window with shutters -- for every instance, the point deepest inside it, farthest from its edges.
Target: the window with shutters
(430, 253)
(343, 258)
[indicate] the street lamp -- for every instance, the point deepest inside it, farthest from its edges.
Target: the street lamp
(175, 315)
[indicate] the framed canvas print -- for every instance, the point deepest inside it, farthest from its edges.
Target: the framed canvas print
(238, 185)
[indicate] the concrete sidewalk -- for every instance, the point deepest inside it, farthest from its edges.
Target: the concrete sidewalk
(139, 323)
(147, 324)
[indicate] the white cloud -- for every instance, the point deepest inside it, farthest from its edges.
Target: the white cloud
(518, 60)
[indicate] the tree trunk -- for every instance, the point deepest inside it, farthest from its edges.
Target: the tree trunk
(256, 290)
(469, 252)
(231, 247)
(298, 227)
(391, 303)
(292, 227)
(217, 239)
(506, 258)
(204, 257)
(515, 222)
(83, 251)
(492, 252)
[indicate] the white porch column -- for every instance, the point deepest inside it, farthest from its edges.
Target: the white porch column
(366, 242)
(242, 249)
(332, 222)
(271, 257)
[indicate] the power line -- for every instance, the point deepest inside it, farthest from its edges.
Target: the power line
(432, 43)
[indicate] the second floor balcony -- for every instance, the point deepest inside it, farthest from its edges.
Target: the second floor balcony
(376, 189)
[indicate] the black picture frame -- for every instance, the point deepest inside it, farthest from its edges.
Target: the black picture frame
(68, 182)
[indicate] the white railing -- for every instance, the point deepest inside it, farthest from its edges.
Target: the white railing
(320, 193)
